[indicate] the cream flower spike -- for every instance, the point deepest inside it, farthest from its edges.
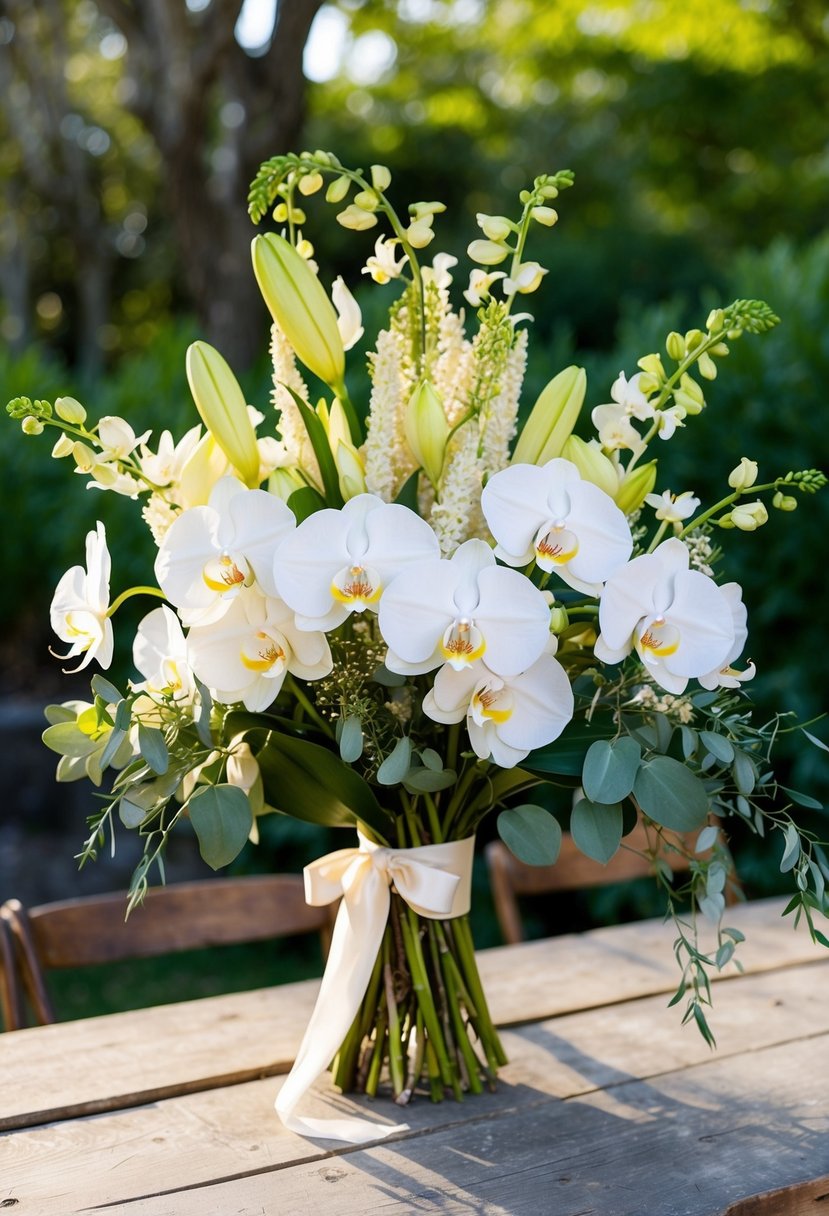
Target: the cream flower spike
(459, 610)
(339, 562)
(551, 514)
(506, 718)
(679, 621)
(79, 606)
(211, 553)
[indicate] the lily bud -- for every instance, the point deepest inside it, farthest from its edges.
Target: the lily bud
(427, 429)
(749, 516)
(592, 463)
(223, 409)
(488, 253)
(205, 465)
(298, 303)
(635, 487)
(350, 470)
(552, 418)
(70, 410)
(744, 475)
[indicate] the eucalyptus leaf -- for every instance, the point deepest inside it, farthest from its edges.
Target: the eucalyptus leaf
(222, 818)
(116, 738)
(532, 834)
(122, 716)
(153, 748)
(396, 764)
(664, 730)
(791, 851)
(431, 759)
(202, 716)
(389, 679)
(565, 757)
(671, 795)
(67, 739)
(351, 739)
(690, 741)
(104, 689)
(707, 838)
(610, 769)
(596, 828)
(814, 739)
(427, 781)
(744, 772)
(719, 747)
(59, 713)
(806, 800)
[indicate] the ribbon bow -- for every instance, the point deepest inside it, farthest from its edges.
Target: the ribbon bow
(435, 881)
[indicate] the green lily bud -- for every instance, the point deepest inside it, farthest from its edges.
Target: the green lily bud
(427, 429)
(784, 502)
(694, 338)
(202, 469)
(488, 253)
(223, 409)
(552, 418)
(283, 483)
(70, 410)
(298, 303)
(592, 463)
(744, 475)
(675, 346)
(559, 619)
(635, 486)
(350, 470)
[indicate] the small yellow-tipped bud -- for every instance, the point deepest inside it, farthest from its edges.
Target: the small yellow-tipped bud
(784, 502)
(420, 234)
(223, 409)
(380, 178)
(716, 320)
(298, 303)
(337, 190)
(366, 199)
(356, 218)
(70, 410)
(545, 215)
(487, 253)
(689, 395)
(31, 426)
(552, 418)
(592, 463)
(635, 486)
(707, 366)
(749, 516)
(559, 619)
(63, 447)
(675, 346)
(351, 471)
(310, 183)
(495, 227)
(744, 475)
(427, 430)
(693, 339)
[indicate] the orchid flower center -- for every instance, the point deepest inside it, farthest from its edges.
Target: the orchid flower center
(262, 653)
(358, 587)
(491, 702)
(172, 679)
(462, 643)
(555, 545)
(657, 640)
(225, 573)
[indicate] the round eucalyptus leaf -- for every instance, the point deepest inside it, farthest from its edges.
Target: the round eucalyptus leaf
(396, 764)
(671, 795)
(596, 828)
(222, 818)
(351, 739)
(532, 834)
(610, 769)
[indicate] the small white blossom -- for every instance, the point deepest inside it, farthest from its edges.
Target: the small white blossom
(673, 507)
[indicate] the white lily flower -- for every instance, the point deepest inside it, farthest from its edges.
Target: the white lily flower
(209, 554)
(727, 676)
(117, 438)
(160, 654)
(616, 429)
(679, 620)
(349, 317)
(164, 467)
(506, 717)
(480, 281)
(459, 610)
(246, 655)
(673, 507)
(382, 265)
(339, 562)
(567, 524)
(78, 612)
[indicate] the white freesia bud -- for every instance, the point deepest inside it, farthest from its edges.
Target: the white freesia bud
(382, 265)
(749, 516)
(488, 253)
(70, 410)
(673, 507)
(744, 475)
(31, 426)
(117, 438)
(495, 227)
(526, 279)
(356, 218)
(480, 283)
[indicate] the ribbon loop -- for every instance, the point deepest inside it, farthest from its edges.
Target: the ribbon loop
(435, 881)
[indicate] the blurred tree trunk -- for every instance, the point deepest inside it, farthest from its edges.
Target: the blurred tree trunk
(214, 112)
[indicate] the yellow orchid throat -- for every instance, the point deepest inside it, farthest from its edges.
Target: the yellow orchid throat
(356, 587)
(485, 705)
(462, 643)
(222, 574)
(263, 654)
(659, 639)
(556, 545)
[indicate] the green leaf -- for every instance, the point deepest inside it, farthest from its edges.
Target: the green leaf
(431, 759)
(351, 739)
(596, 828)
(201, 720)
(791, 851)
(744, 772)
(67, 739)
(610, 769)
(396, 764)
(532, 834)
(408, 493)
(718, 746)
(690, 739)
(116, 738)
(388, 679)
(122, 716)
(814, 739)
(322, 450)
(221, 816)
(803, 799)
(309, 782)
(707, 838)
(427, 781)
(565, 757)
(102, 688)
(153, 748)
(304, 502)
(671, 795)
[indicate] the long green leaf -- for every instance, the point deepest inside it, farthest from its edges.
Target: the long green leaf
(322, 450)
(565, 757)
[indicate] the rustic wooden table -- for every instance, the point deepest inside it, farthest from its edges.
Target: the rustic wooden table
(607, 1107)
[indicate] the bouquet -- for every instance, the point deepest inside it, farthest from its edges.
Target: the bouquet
(400, 615)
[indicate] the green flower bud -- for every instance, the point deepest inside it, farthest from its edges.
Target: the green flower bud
(31, 426)
(380, 178)
(421, 210)
(337, 190)
(693, 339)
(223, 409)
(487, 253)
(283, 483)
(366, 199)
(784, 502)
(552, 418)
(427, 429)
(63, 447)
(744, 475)
(707, 366)
(749, 516)
(689, 395)
(719, 349)
(495, 227)
(350, 470)
(652, 365)
(592, 463)
(298, 303)
(634, 486)
(84, 457)
(420, 234)
(356, 218)
(716, 320)
(70, 410)
(675, 346)
(545, 215)
(559, 619)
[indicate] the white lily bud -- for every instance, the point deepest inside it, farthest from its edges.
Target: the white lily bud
(70, 410)
(350, 470)
(744, 475)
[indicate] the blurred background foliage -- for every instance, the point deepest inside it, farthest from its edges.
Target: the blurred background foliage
(698, 131)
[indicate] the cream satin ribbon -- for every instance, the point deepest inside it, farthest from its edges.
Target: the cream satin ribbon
(433, 879)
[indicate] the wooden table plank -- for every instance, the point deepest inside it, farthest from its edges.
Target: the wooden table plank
(233, 1133)
(147, 1055)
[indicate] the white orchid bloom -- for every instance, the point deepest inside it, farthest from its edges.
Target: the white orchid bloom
(160, 654)
(164, 467)
(246, 655)
(459, 610)
(209, 554)
(79, 606)
(673, 507)
(680, 622)
(349, 317)
(668, 420)
(506, 718)
(382, 265)
(629, 395)
(567, 524)
(339, 562)
(727, 676)
(480, 282)
(616, 429)
(117, 438)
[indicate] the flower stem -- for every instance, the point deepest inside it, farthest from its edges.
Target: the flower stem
(129, 593)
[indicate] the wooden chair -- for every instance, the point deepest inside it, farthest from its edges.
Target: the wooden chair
(510, 878)
(182, 916)
(11, 1002)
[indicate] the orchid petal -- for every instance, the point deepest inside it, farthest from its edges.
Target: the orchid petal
(514, 503)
